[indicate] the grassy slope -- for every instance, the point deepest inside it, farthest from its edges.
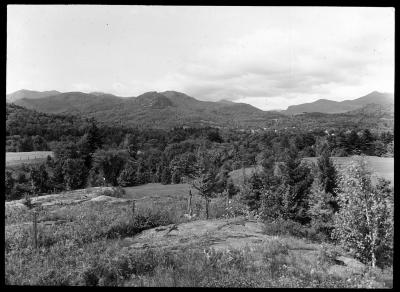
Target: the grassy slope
(96, 246)
(156, 191)
(381, 166)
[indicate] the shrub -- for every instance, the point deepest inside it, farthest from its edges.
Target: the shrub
(235, 208)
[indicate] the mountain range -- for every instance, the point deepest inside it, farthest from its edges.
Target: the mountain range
(170, 108)
(335, 107)
(151, 109)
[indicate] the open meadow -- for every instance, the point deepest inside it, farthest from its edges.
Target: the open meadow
(158, 191)
(17, 158)
(381, 167)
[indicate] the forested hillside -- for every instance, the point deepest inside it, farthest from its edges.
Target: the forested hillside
(29, 130)
(165, 110)
(152, 109)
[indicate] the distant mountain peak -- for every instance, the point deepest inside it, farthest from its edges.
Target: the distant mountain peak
(226, 101)
(331, 106)
(153, 99)
(30, 94)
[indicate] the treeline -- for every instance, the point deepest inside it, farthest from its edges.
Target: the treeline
(28, 130)
(105, 155)
(122, 156)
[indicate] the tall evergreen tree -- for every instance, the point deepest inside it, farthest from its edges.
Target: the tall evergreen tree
(39, 178)
(252, 194)
(298, 179)
(327, 177)
(321, 210)
(127, 176)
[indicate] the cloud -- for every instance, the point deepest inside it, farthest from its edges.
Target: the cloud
(331, 56)
(260, 55)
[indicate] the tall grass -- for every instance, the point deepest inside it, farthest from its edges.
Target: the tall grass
(104, 263)
(87, 249)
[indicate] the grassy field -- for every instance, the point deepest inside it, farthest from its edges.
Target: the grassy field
(16, 158)
(157, 191)
(381, 167)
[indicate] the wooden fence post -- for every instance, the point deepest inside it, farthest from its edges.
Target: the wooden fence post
(133, 208)
(207, 202)
(190, 203)
(35, 243)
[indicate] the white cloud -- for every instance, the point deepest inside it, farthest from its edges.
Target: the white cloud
(266, 56)
(333, 55)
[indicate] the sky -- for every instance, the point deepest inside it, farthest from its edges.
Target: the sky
(269, 57)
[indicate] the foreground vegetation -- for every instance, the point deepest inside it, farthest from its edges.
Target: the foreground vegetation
(89, 249)
(104, 263)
